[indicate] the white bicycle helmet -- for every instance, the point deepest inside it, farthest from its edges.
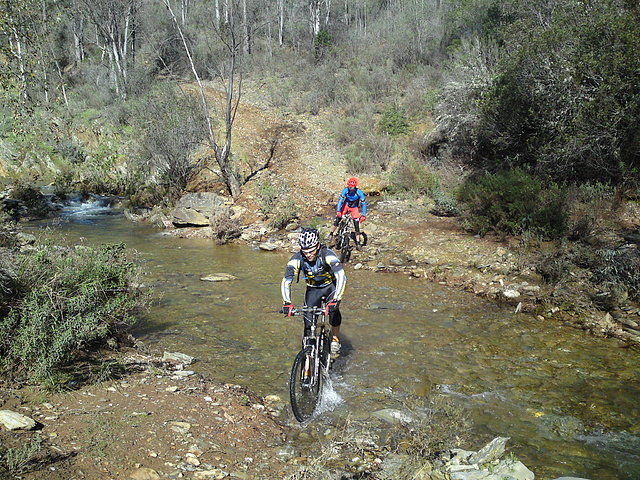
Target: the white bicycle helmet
(309, 238)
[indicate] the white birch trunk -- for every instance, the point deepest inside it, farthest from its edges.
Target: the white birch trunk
(246, 44)
(184, 6)
(16, 47)
(281, 22)
(327, 4)
(314, 17)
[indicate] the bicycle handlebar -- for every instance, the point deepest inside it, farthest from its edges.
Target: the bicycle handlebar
(299, 311)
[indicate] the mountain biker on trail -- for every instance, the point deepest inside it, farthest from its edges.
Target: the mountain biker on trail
(324, 276)
(351, 198)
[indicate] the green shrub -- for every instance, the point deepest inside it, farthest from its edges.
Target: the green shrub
(512, 202)
(268, 194)
(284, 213)
(444, 205)
(371, 153)
(356, 159)
(17, 461)
(102, 171)
(67, 300)
(321, 44)
(70, 151)
(393, 121)
(562, 101)
(411, 175)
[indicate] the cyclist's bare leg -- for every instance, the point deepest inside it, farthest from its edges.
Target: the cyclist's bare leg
(333, 228)
(359, 237)
(335, 331)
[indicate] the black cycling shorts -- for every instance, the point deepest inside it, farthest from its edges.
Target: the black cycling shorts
(313, 298)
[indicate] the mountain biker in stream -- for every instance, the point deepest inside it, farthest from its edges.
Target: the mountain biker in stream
(324, 277)
(351, 198)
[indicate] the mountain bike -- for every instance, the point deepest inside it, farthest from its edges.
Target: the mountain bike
(311, 365)
(345, 234)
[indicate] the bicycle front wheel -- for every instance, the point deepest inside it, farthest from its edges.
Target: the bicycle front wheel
(346, 253)
(305, 386)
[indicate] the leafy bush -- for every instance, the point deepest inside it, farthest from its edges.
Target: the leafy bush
(102, 171)
(513, 202)
(410, 175)
(444, 205)
(17, 461)
(562, 102)
(67, 300)
(268, 194)
(393, 121)
(322, 43)
(590, 207)
(370, 154)
(70, 151)
(285, 212)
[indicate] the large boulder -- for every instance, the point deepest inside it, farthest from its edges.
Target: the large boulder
(196, 209)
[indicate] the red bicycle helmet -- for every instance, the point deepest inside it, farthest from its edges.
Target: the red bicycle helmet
(352, 182)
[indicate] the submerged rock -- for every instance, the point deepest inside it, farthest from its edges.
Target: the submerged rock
(219, 277)
(385, 306)
(392, 415)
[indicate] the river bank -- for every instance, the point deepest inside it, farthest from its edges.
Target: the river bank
(159, 420)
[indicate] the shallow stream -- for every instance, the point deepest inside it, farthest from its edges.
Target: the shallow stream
(569, 402)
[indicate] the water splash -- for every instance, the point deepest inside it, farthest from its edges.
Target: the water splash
(329, 398)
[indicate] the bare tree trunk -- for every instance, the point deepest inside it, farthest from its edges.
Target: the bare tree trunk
(246, 45)
(45, 77)
(223, 157)
(346, 13)
(61, 77)
(115, 26)
(184, 7)
(327, 4)
(314, 17)
(16, 48)
(217, 7)
(281, 22)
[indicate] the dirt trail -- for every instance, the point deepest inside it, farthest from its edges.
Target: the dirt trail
(152, 423)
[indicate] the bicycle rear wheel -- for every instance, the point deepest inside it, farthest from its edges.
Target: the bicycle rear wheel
(305, 386)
